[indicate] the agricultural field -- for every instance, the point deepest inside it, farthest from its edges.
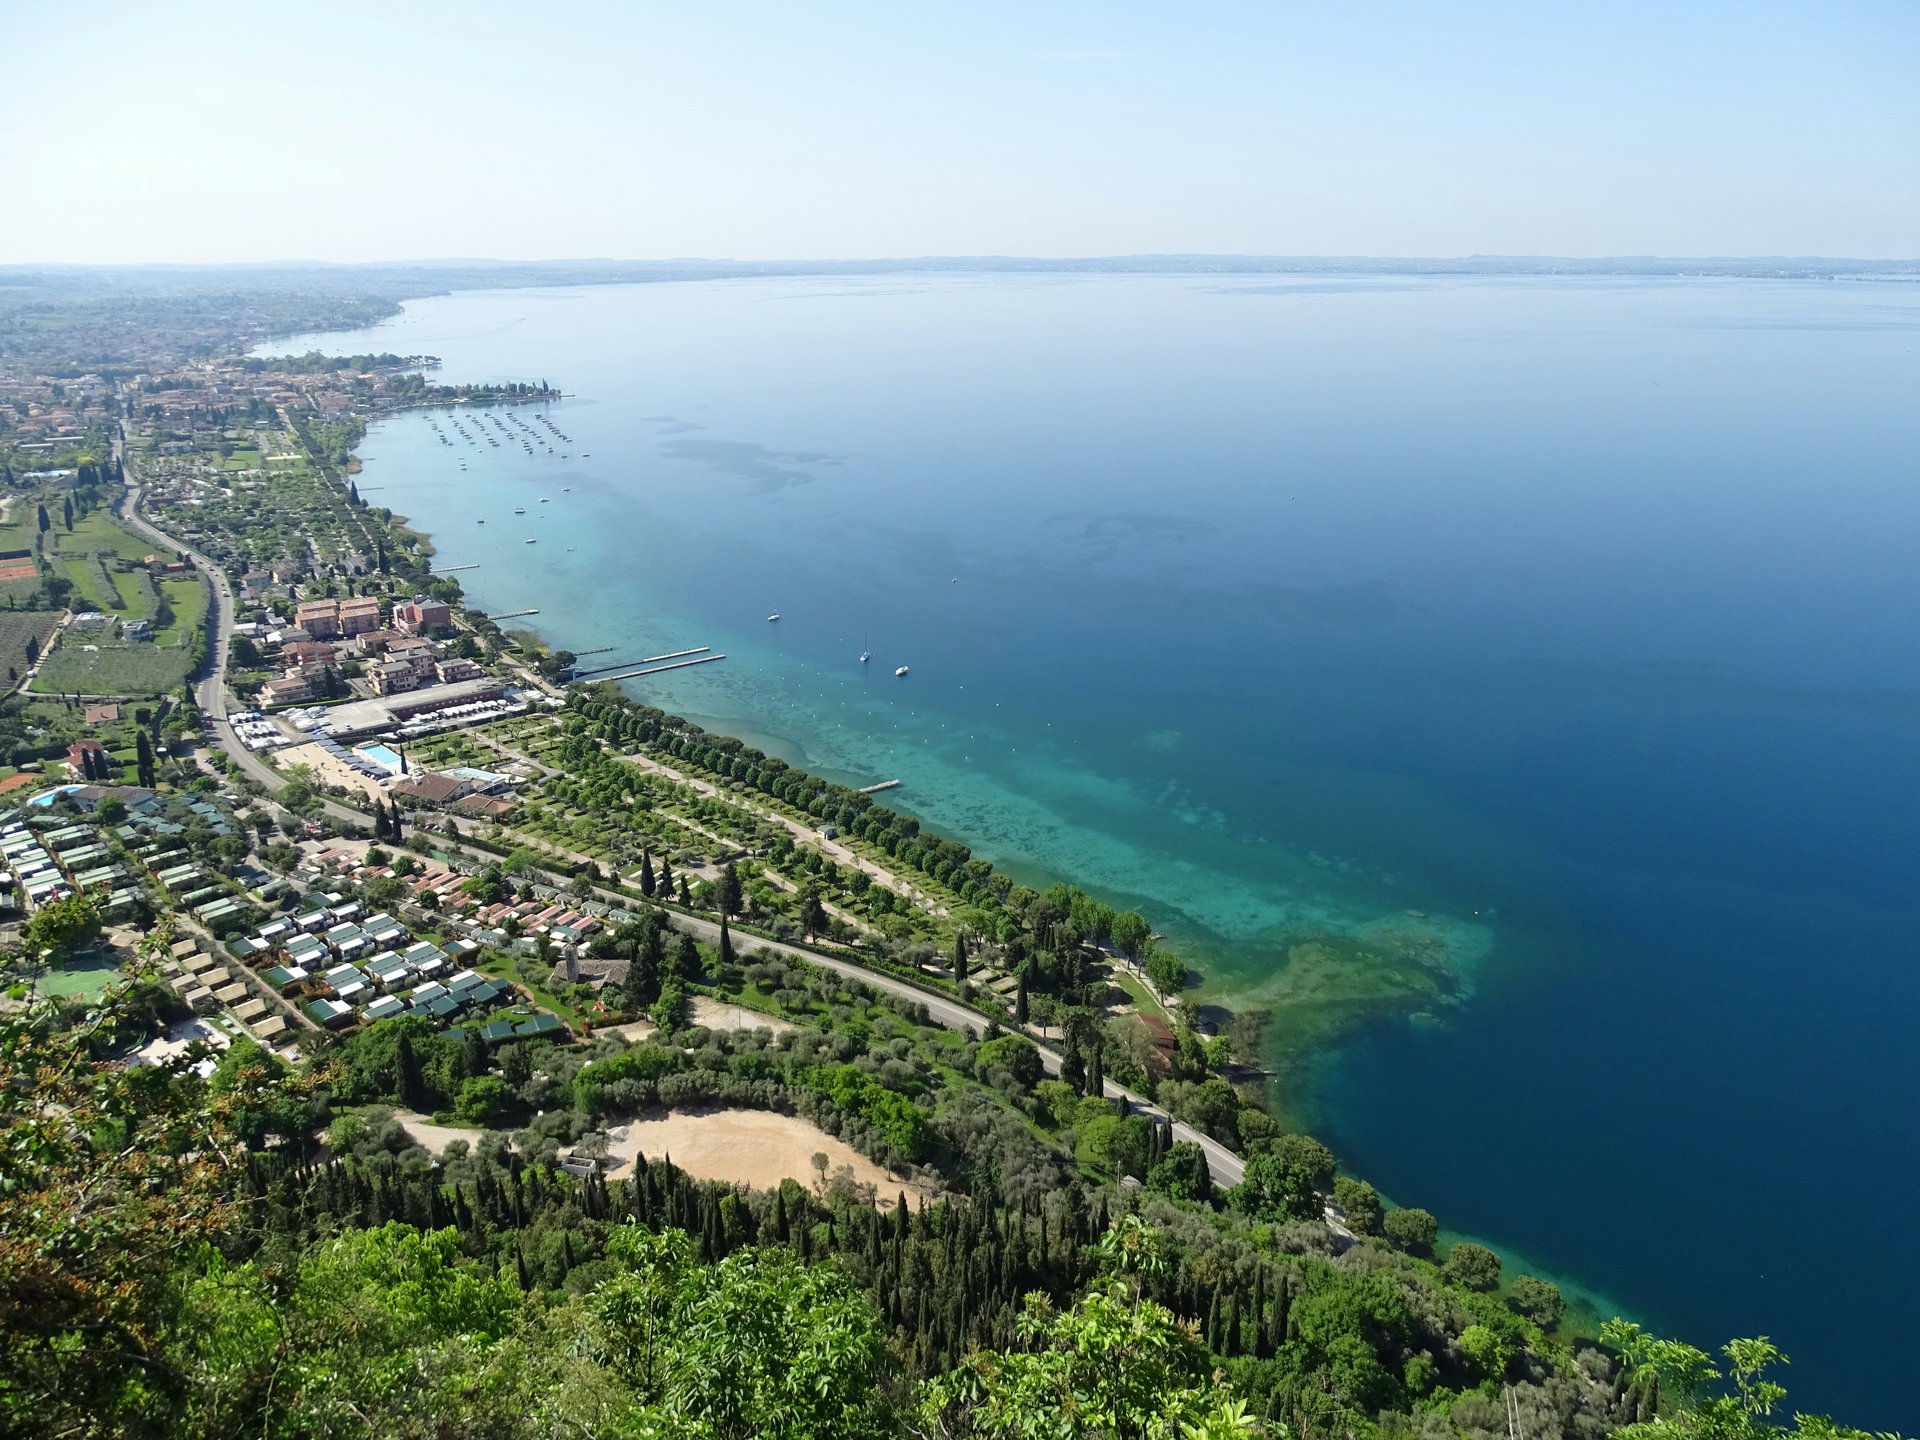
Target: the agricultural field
(16, 626)
(93, 663)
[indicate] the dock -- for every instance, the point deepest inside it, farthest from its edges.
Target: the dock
(876, 789)
(657, 669)
(509, 615)
(470, 565)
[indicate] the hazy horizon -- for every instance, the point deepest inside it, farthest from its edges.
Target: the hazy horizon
(212, 132)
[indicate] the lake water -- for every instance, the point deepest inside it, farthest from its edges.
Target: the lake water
(1513, 681)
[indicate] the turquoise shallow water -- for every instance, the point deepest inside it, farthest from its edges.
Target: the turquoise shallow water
(1551, 640)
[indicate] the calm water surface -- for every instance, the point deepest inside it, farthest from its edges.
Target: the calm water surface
(1513, 680)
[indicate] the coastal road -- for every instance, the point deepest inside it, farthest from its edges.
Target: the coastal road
(210, 690)
(1227, 1167)
(210, 694)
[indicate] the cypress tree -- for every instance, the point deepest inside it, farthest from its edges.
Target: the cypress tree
(646, 874)
(686, 895)
(143, 757)
(960, 959)
(1020, 999)
(666, 877)
(1097, 1071)
(726, 944)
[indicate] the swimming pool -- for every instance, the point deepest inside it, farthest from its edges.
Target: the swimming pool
(385, 756)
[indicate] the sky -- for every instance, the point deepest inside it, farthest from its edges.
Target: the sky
(208, 131)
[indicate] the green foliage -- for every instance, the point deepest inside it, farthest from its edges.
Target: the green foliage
(64, 927)
(1412, 1229)
(1014, 1054)
(1539, 1300)
(1183, 1174)
(1474, 1266)
(1114, 1365)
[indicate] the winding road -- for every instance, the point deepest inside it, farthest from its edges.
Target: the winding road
(210, 695)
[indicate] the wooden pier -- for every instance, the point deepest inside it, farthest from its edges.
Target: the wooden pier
(876, 789)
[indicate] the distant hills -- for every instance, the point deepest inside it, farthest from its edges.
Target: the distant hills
(410, 278)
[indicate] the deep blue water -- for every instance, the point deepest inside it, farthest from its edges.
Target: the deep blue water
(1575, 616)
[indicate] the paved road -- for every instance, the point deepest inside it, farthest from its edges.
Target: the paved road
(1227, 1167)
(210, 694)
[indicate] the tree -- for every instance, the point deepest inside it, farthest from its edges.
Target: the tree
(1121, 1365)
(646, 874)
(1539, 1300)
(1413, 1230)
(1473, 1266)
(409, 1080)
(959, 959)
(726, 955)
(1167, 972)
(482, 1100)
(44, 522)
(813, 915)
(67, 504)
(63, 927)
(1183, 1174)
(1020, 998)
(1132, 934)
(1359, 1202)
(729, 890)
(1015, 1054)
(1273, 1189)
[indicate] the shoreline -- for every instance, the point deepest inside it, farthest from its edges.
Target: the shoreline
(1294, 1090)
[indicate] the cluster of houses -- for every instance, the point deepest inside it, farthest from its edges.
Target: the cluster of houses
(347, 967)
(399, 659)
(52, 865)
(49, 855)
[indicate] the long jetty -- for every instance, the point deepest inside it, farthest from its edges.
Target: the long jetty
(876, 789)
(657, 669)
(509, 615)
(470, 565)
(578, 672)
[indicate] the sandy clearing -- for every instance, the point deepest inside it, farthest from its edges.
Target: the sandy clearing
(718, 1015)
(746, 1147)
(431, 1137)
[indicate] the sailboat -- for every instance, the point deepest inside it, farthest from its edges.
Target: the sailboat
(865, 653)
(900, 672)
(774, 616)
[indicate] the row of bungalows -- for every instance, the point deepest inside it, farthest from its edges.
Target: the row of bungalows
(205, 982)
(46, 870)
(355, 993)
(191, 887)
(30, 865)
